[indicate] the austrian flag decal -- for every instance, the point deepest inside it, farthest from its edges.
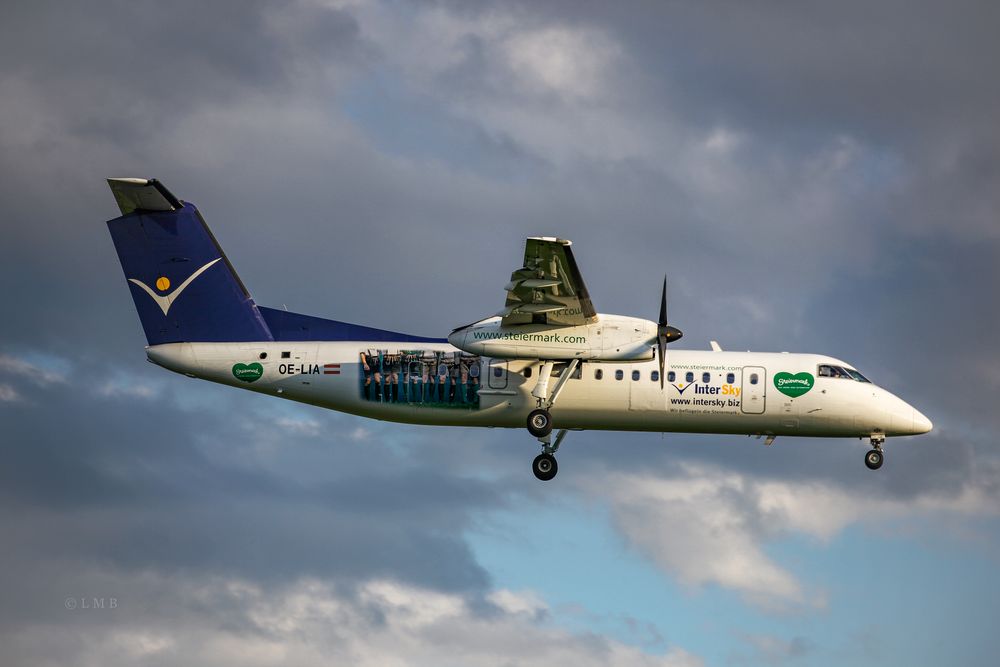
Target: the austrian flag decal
(331, 369)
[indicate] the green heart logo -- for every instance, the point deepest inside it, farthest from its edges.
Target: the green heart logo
(248, 372)
(793, 385)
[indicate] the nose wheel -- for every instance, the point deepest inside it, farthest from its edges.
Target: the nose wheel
(873, 459)
(875, 456)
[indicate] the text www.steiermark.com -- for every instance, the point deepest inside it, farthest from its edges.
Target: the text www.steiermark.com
(528, 337)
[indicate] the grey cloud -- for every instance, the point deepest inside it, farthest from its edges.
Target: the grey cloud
(402, 206)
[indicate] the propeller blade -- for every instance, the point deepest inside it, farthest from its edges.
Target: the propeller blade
(662, 322)
(664, 333)
(661, 349)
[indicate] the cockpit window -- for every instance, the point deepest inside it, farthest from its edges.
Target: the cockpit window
(828, 371)
(831, 371)
(858, 376)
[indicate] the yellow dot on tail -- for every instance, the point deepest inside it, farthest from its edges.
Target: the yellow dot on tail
(162, 283)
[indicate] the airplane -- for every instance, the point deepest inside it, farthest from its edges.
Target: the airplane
(548, 359)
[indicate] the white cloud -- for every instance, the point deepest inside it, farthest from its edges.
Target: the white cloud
(36, 372)
(710, 526)
(309, 623)
(8, 394)
(569, 62)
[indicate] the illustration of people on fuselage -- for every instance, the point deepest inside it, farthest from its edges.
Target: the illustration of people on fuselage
(391, 365)
(371, 368)
(434, 379)
(474, 382)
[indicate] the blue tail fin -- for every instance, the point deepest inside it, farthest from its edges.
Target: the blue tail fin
(184, 287)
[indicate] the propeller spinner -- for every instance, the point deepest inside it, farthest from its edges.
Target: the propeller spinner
(664, 332)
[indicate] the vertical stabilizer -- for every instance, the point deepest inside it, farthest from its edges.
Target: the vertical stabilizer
(183, 286)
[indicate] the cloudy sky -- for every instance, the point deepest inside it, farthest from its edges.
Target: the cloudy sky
(813, 176)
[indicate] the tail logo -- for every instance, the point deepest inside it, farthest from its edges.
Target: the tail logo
(166, 300)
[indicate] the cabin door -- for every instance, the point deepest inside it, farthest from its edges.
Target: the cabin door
(754, 389)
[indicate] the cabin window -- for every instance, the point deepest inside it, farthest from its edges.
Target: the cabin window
(753, 378)
(654, 376)
(671, 376)
(706, 377)
(527, 372)
(497, 371)
(619, 374)
(599, 374)
(578, 373)
(635, 375)
(689, 377)
(286, 355)
(730, 378)
(263, 355)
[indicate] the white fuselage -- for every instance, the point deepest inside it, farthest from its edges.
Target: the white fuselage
(435, 383)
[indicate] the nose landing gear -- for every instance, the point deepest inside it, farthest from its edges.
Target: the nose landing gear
(875, 456)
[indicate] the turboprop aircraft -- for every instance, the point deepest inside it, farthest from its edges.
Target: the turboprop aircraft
(547, 360)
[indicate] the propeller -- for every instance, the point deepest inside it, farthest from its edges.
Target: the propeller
(664, 332)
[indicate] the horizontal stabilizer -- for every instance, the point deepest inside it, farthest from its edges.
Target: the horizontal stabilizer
(142, 194)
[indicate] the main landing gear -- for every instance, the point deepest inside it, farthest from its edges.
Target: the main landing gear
(545, 466)
(875, 456)
(540, 419)
(539, 423)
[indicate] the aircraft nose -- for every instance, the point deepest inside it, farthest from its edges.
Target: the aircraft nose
(921, 424)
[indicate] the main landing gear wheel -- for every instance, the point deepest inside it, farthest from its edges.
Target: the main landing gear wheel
(540, 423)
(545, 467)
(873, 459)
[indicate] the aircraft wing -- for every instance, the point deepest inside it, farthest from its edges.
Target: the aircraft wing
(548, 288)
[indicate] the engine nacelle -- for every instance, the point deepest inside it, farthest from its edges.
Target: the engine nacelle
(611, 338)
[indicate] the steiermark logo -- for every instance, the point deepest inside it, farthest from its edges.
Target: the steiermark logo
(793, 385)
(248, 372)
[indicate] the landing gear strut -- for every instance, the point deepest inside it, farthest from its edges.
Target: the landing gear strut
(875, 456)
(540, 419)
(544, 466)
